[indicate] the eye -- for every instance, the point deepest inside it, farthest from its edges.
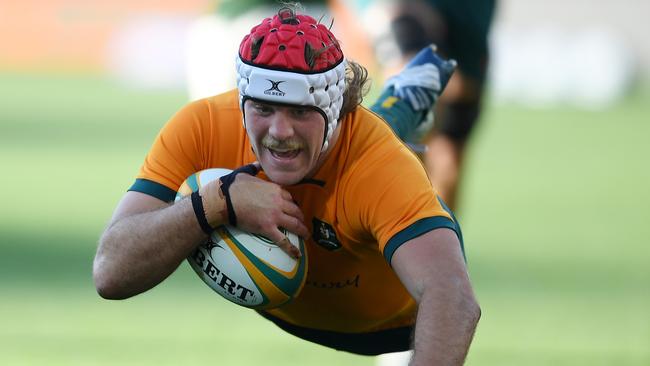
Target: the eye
(301, 112)
(262, 109)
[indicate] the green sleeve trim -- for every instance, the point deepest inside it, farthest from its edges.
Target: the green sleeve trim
(416, 229)
(457, 230)
(153, 189)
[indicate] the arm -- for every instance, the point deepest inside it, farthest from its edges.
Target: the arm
(432, 268)
(147, 239)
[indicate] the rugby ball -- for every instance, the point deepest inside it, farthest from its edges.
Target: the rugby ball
(245, 268)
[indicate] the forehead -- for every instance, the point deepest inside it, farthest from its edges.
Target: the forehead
(317, 116)
(276, 106)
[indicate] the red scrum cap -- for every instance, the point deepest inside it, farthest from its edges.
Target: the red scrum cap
(292, 59)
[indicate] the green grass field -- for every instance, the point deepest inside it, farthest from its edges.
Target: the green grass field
(554, 212)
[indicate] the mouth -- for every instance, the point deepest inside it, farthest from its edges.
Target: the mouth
(282, 154)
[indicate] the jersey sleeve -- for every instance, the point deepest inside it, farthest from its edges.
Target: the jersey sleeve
(396, 202)
(175, 154)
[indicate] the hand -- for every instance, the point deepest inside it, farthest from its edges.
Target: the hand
(263, 207)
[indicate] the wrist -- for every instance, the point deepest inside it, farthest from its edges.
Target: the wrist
(214, 204)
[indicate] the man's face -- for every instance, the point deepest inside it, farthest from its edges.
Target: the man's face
(286, 140)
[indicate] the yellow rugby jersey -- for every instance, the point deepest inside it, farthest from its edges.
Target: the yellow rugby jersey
(369, 197)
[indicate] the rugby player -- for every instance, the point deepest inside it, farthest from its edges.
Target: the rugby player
(308, 158)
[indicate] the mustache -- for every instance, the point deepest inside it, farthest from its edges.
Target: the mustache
(275, 144)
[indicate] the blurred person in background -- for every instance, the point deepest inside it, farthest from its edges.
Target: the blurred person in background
(314, 161)
(459, 29)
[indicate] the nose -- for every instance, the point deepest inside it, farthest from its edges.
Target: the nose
(281, 126)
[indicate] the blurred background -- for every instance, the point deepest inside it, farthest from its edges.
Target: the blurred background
(554, 205)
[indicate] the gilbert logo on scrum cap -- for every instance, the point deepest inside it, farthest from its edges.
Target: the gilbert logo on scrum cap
(275, 88)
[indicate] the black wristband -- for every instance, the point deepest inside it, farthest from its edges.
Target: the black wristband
(227, 180)
(232, 218)
(199, 212)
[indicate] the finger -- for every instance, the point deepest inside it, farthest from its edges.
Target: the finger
(289, 248)
(286, 195)
(283, 243)
(292, 209)
(294, 225)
